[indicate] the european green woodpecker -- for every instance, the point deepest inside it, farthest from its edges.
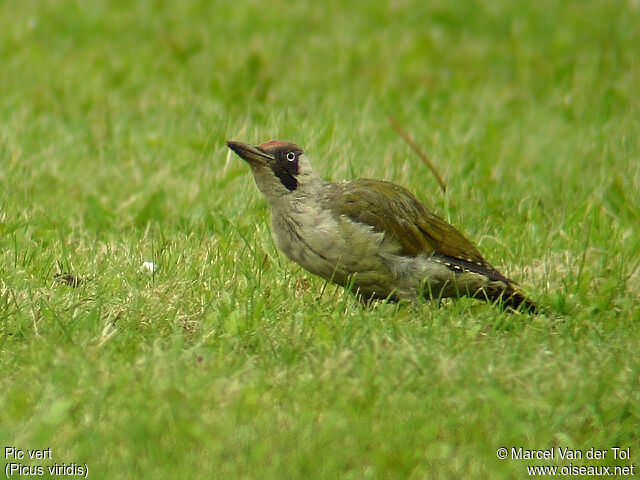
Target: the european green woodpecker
(372, 235)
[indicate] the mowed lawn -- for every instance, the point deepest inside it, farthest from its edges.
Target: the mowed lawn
(220, 358)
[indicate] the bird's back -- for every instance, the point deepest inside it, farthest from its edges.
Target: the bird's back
(394, 211)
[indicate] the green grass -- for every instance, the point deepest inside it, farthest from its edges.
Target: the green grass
(230, 361)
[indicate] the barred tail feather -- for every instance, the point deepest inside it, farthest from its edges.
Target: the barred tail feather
(510, 299)
(494, 287)
(518, 301)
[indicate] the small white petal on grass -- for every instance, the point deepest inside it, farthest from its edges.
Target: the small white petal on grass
(148, 267)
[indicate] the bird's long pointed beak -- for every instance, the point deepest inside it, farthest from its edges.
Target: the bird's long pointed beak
(248, 153)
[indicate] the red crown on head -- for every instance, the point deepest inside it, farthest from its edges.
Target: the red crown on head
(275, 143)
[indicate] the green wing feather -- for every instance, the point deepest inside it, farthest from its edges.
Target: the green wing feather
(394, 211)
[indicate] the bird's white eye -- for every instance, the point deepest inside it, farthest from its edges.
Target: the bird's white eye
(291, 156)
